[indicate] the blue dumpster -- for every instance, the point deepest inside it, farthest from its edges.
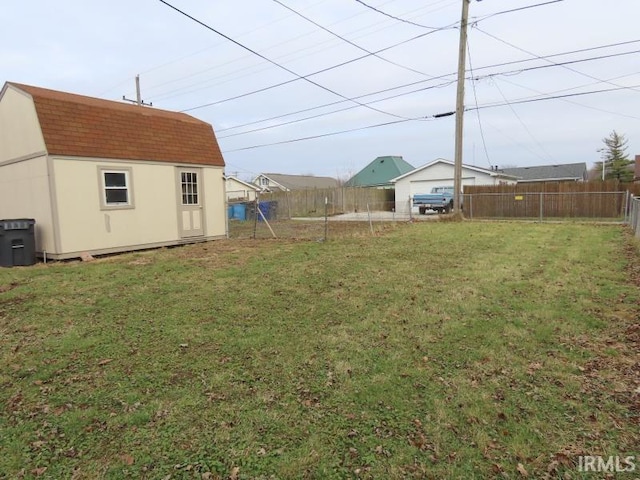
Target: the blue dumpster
(230, 211)
(239, 211)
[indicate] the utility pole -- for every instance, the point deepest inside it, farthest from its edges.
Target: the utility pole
(462, 60)
(138, 99)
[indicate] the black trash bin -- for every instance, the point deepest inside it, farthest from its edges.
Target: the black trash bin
(17, 242)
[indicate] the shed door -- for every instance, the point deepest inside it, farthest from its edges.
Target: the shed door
(190, 202)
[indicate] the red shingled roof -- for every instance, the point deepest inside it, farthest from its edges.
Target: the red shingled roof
(79, 126)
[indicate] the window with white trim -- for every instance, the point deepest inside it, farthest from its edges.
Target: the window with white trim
(189, 181)
(116, 188)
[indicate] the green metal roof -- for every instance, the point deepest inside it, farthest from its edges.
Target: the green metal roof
(380, 172)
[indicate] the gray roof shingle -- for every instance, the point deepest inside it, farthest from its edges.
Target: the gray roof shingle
(541, 173)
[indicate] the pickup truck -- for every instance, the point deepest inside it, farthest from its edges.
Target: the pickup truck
(440, 200)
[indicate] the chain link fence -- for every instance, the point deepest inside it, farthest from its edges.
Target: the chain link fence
(634, 215)
(270, 219)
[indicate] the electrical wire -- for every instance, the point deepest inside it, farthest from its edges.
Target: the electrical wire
(269, 127)
(554, 97)
(473, 78)
(491, 15)
(431, 118)
(303, 77)
(394, 17)
(475, 96)
(513, 62)
(535, 140)
(331, 32)
(597, 109)
(323, 135)
(547, 60)
(288, 70)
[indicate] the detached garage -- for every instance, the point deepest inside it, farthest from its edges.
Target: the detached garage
(439, 173)
(100, 176)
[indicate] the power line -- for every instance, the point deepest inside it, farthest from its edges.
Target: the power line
(305, 78)
(546, 59)
(312, 137)
(302, 77)
(535, 140)
(513, 62)
(576, 103)
(269, 127)
(473, 78)
(475, 96)
(555, 97)
(516, 9)
(331, 32)
(394, 17)
(432, 117)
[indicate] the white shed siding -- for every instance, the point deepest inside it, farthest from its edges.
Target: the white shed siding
(25, 193)
(152, 221)
(20, 134)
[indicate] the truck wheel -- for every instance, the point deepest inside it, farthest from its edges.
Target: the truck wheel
(447, 209)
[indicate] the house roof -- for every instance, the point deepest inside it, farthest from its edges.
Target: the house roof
(380, 172)
(250, 186)
(300, 182)
(567, 171)
(80, 126)
(486, 171)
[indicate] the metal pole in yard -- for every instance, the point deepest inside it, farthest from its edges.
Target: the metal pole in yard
(626, 206)
(470, 206)
(369, 215)
(255, 220)
(410, 212)
(326, 219)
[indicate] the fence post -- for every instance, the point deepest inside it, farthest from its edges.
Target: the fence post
(369, 215)
(626, 207)
(541, 206)
(326, 219)
(470, 206)
(410, 209)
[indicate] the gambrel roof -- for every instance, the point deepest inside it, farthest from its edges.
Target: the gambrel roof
(80, 126)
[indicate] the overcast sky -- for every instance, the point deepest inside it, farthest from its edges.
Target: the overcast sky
(96, 48)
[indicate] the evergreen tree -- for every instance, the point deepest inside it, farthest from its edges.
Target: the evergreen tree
(615, 159)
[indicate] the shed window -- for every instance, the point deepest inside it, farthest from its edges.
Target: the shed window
(116, 188)
(189, 181)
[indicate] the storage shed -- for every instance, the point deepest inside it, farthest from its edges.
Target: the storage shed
(100, 176)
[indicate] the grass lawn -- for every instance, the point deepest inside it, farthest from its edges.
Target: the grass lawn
(432, 350)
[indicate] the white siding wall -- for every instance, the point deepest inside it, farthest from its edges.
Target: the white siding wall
(239, 191)
(24, 193)
(84, 226)
(20, 133)
(24, 179)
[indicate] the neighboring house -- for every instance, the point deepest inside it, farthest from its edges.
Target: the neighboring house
(269, 182)
(237, 190)
(568, 172)
(439, 173)
(380, 172)
(100, 176)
